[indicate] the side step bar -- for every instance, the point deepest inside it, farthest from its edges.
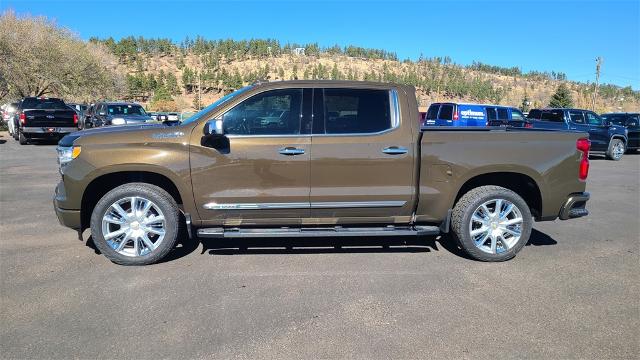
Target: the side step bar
(318, 232)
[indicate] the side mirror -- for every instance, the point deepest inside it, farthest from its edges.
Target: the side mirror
(214, 138)
(213, 127)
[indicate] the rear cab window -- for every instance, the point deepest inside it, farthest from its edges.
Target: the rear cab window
(552, 115)
(44, 104)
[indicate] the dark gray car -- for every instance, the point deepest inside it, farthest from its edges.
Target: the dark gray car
(119, 113)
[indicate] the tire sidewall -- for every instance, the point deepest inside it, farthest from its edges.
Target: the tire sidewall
(612, 146)
(467, 242)
(162, 199)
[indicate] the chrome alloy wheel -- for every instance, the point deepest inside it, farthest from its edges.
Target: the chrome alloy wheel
(133, 226)
(618, 150)
(496, 226)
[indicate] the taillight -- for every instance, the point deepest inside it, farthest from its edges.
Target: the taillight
(455, 116)
(583, 145)
(23, 118)
(528, 125)
(75, 119)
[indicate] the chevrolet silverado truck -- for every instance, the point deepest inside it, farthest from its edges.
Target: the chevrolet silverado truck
(316, 159)
(43, 118)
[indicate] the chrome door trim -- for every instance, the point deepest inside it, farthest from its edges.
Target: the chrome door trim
(256, 206)
(356, 204)
(304, 205)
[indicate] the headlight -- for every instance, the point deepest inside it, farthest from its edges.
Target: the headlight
(118, 121)
(67, 153)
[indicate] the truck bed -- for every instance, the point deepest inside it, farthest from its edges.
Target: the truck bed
(538, 160)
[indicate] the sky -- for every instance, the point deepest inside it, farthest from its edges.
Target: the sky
(562, 36)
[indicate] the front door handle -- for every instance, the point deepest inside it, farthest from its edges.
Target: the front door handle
(291, 151)
(395, 150)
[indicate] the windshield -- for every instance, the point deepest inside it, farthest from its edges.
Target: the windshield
(125, 110)
(217, 103)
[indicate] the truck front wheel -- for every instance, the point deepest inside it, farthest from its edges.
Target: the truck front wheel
(491, 223)
(135, 224)
(616, 150)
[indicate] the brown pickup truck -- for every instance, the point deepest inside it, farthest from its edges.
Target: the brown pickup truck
(316, 158)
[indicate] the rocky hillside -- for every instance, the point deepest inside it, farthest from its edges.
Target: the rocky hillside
(174, 77)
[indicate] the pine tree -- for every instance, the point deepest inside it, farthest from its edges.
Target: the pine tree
(294, 75)
(562, 98)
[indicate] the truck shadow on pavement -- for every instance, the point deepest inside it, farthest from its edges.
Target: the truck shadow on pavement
(324, 245)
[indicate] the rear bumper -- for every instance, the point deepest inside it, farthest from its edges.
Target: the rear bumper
(575, 206)
(48, 130)
(66, 217)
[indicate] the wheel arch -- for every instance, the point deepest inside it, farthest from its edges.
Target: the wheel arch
(104, 183)
(521, 184)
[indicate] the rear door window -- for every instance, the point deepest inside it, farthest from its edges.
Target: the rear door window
(446, 112)
(432, 113)
(577, 117)
(503, 114)
(356, 111)
(593, 119)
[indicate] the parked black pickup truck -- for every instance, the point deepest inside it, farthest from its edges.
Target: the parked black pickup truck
(44, 118)
(605, 137)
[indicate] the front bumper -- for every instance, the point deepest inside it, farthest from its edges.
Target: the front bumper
(575, 206)
(66, 217)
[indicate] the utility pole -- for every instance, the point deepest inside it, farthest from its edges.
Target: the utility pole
(595, 90)
(199, 91)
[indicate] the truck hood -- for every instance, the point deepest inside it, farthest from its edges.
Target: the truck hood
(108, 131)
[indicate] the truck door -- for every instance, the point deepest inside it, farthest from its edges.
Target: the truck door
(598, 131)
(362, 159)
(262, 176)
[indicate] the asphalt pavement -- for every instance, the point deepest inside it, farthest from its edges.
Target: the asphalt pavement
(573, 292)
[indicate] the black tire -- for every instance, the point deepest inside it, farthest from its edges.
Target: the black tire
(15, 132)
(464, 210)
(23, 140)
(611, 155)
(157, 195)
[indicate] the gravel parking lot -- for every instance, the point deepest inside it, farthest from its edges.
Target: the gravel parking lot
(573, 292)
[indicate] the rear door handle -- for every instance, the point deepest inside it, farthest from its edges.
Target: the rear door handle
(395, 150)
(291, 151)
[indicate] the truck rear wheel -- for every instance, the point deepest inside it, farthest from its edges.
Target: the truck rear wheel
(23, 140)
(616, 150)
(135, 224)
(491, 223)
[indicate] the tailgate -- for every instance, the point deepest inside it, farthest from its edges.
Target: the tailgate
(49, 118)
